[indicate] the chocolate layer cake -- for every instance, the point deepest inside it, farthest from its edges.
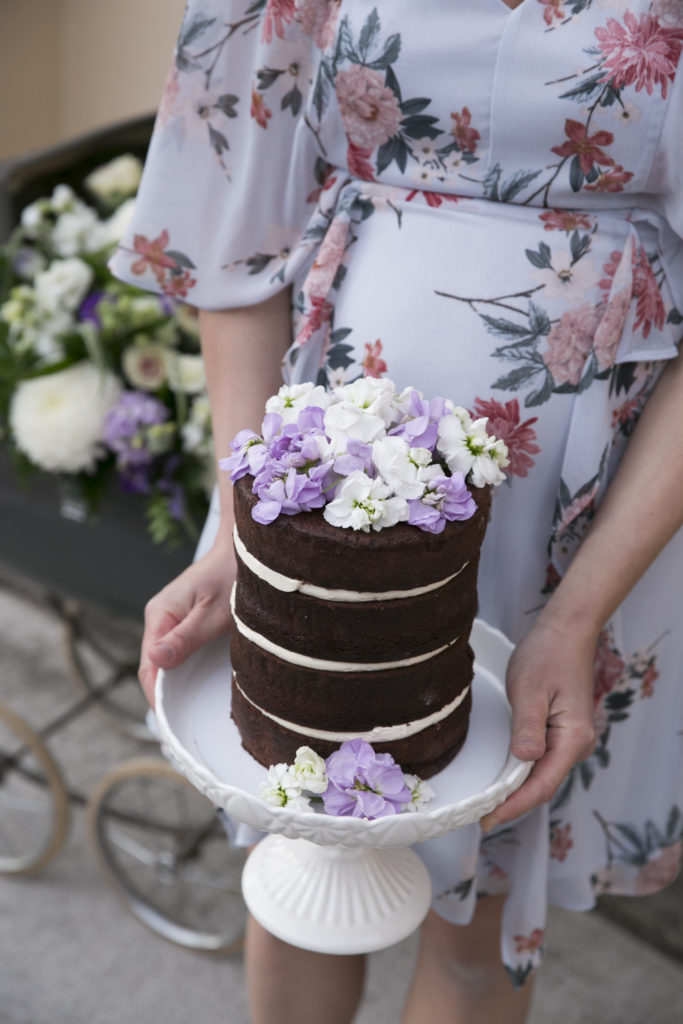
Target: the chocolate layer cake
(341, 633)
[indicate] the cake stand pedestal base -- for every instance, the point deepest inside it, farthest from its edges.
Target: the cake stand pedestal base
(336, 899)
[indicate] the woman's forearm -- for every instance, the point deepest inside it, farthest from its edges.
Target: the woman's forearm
(641, 511)
(243, 350)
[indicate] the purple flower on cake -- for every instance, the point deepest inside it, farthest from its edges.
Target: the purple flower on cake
(363, 784)
(420, 418)
(245, 459)
(446, 498)
(363, 503)
(296, 492)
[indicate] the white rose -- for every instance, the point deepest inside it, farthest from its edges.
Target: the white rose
(401, 466)
(120, 177)
(362, 503)
(309, 770)
(71, 234)
(292, 398)
(186, 373)
(112, 230)
(58, 420)
(64, 285)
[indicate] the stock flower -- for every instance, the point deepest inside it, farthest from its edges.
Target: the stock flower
(281, 789)
(469, 449)
(129, 428)
(445, 499)
(363, 784)
(401, 466)
(520, 438)
(58, 420)
(420, 792)
(296, 492)
(308, 771)
(292, 399)
(362, 503)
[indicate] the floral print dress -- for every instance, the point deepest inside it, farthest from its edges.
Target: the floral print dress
(487, 204)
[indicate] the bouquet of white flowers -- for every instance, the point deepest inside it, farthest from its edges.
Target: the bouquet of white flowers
(101, 383)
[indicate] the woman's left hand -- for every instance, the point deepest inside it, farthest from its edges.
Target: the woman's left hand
(550, 688)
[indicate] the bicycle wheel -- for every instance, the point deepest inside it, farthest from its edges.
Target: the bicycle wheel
(165, 852)
(100, 651)
(34, 805)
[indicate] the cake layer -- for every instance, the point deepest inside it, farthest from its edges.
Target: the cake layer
(424, 753)
(372, 631)
(350, 701)
(307, 547)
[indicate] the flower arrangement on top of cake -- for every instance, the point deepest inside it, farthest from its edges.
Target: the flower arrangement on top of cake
(369, 457)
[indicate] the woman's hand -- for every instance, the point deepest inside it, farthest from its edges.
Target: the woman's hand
(192, 609)
(550, 688)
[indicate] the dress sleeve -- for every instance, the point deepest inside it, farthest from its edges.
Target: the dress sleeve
(234, 166)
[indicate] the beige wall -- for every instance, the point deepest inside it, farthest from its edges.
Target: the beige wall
(67, 66)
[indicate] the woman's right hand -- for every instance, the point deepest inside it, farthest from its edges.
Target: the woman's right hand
(189, 611)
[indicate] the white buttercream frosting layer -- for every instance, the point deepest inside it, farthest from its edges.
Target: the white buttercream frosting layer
(380, 734)
(288, 584)
(325, 664)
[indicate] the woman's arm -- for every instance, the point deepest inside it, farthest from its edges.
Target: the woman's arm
(243, 350)
(550, 676)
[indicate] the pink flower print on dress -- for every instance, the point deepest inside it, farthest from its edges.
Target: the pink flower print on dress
(565, 220)
(650, 676)
(520, 438)
(278, 14)
(369, 109)
(358, 163)
(610, 329)
(373, 365)
(168, 100)
(560, 841)
(259, 109)
(641, 53)
(152, 256)
(326, 264)
(462, 131)
(660, 871)
(649, 305)
(552, 10)
(668, 12)
(529, 943)
(583, 505)
(318, 18)
(608, 668)
(612, 180)
(570, 342)
(588, 148)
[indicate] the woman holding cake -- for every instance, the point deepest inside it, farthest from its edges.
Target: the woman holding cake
(484, 202)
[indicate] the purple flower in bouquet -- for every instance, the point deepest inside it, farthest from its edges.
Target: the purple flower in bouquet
(126, 426)
(363, 784)
(88, 308)
(420, 422)
(446, 498)
(295, 492)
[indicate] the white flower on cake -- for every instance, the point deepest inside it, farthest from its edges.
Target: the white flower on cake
(58, 420)
(469, 449)
(292, 398)
(421, 793)
(309, 771)
(403, 468)
(362, 503)
(63, 285)
(281, 789)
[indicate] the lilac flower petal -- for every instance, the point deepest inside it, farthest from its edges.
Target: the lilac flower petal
(266, 511)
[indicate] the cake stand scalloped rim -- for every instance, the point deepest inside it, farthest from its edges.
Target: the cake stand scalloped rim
(396, 830)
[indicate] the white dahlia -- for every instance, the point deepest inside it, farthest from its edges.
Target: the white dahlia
(58, 420)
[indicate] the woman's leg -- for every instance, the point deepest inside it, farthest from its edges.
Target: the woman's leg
(459, 977)
(288, 985)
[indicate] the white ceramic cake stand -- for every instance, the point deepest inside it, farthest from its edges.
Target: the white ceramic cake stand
(324, 883)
